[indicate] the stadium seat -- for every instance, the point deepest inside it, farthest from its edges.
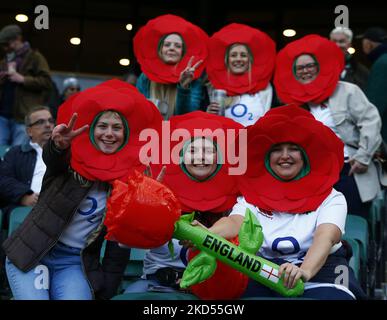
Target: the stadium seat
(356, 228)
(134, 268)
(137, 254)
(16, 218)
(375, 216)
(354, 262)
(3, 150)
(102, 252)
(155, 296)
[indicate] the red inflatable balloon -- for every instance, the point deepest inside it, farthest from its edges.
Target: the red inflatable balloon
(142, 213)
(225, 284)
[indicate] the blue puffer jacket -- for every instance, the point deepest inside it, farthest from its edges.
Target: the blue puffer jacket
(187, 100)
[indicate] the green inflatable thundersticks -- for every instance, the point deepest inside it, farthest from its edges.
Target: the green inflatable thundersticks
(242, 257)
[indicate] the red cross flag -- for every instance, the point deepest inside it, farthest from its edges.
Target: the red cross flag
(269, 273)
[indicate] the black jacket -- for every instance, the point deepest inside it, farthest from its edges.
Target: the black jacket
(16, 173)
(356, 73)
(62, 192)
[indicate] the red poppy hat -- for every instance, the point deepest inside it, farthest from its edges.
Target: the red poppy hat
(322, 152)
(261, 48)
(148, 39)
(216, 193)
(330, 61)
(136, 112)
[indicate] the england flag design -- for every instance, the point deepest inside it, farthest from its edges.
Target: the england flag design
(269, 273)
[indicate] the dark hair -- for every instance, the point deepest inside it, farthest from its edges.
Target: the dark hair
(27, 120)
(161, 43)
(304, 54)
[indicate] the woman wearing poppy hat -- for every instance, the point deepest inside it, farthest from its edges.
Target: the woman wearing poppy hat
(172, 53)
(199, 178)
(293, 163)
(55, 253)
(307, 73)
(241, 61)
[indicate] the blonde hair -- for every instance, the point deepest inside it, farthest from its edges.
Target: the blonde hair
(166, 93)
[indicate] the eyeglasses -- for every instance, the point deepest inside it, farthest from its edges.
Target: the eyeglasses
(42, 122)
(309, 66)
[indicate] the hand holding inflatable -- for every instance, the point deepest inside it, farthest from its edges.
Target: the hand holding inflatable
(242, 258)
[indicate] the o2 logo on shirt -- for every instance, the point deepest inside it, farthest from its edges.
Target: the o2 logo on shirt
(286, 248)
(240, 110)
(277, 245)
(90, 212)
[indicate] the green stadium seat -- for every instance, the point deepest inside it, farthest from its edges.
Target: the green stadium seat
(375, 215)
(16, 218)
(102, 252)
(356, 228)
(135, 264)
(354, 262)
(133, 269)
(137, 254)
(3, 150)
(155, 296)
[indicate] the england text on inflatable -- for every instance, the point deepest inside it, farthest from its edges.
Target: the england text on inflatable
(240, 257)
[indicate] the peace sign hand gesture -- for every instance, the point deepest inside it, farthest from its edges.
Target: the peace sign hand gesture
(186, 76)
(63, 134)
(160, 176)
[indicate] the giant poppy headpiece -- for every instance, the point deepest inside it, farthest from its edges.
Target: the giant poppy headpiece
(330, 62)
(136, 112)
(218, 192)
(322, 149)
(146, 45)
(261, 48)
